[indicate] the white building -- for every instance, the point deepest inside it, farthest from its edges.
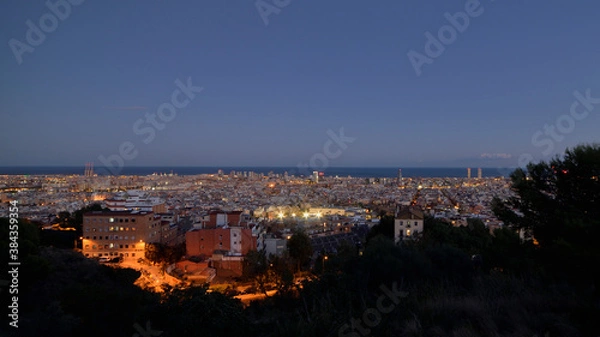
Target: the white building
(408, 223)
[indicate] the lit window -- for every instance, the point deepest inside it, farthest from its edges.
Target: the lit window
(111, 220)
(111, 245)
(87, 246)
(408, 232)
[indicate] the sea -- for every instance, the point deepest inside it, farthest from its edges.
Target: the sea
(361, 172)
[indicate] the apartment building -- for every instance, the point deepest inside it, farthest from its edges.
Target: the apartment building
(119, 233)
(233, 241)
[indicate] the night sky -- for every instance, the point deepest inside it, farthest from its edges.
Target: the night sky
(274, 86)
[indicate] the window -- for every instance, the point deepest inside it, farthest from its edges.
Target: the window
(106, 237)
(132, 220)
(133, 238)
(100, 229)
(94, 247)
(87, 246)
(112, 245)
(121, 220)
(94, 237)
(126, 220)
(126, 246)
(93, 229)
(87, 229)
(133, 254)
(87, 237)
(408, 232)
(111, 220)
(106, 246)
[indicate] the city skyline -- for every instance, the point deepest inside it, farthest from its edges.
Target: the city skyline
(256, 89)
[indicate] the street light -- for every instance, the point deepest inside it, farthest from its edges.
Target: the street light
(324, 259)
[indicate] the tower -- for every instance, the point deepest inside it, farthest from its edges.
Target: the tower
(479, 173)
(468, 173)
(399, 176)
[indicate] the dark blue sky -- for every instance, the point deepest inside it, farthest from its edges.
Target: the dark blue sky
(271, 92)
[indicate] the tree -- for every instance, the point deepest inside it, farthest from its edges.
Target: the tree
(300, 249)
(385, 227)
(559, 203)
(164, 254)
(64, 219)
(256, 268)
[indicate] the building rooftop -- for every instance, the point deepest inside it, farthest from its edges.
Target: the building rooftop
(410, 212)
